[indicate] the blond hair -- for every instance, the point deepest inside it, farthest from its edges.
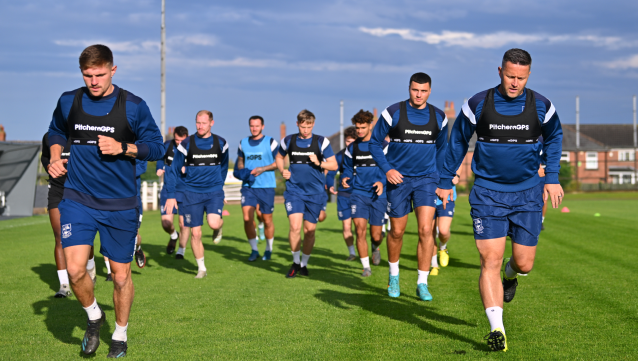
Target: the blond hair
(305, 116)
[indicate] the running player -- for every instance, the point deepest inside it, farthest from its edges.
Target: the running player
(255, 167)
(179, 134)
(418, 137)
(309, 155)
(441, 226)
(108, 128)
(343, 194)
(507, 197)
(368, 200)
(205, 156)
(56, 190)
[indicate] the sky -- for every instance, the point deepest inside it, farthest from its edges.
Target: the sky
(238, 59)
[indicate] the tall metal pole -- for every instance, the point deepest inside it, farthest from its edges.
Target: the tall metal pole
(163, 55)
(635, 145)
(341, 143)
(577, 122)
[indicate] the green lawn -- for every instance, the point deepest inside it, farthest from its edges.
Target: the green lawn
(578, 303)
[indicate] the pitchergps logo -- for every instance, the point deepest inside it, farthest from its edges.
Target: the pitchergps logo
(364, 157)
(196, 156)
(302, 153)
(95, 129)
(509, 127)
(422, 132)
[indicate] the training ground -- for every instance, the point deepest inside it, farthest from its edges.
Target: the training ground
(579, 302)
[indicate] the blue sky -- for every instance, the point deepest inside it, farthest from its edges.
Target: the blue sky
(274, 59)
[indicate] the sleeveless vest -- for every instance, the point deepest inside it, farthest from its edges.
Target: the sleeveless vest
(524, 128)
(406, 132)
(198, 157)
(302, 155)
(259, 156)
(361, 158)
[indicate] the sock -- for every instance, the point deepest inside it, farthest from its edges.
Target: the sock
(394, 268)
(423, 277)
(304, 259)
(120, 333)
(261, 225)
(389, 225)
(543, 220)
(509, 272)
(139, 247)
(351, 250)
(435, 261)
(174, 238)
(383, 229)
(108, 266)
(295, 257)
(200, 264)
(64, 277)
(181, 250)
(269, 243)
(253, 244)
(495, 316)
(91, 263)
(365, 262)
(94, 312)
(443, 246)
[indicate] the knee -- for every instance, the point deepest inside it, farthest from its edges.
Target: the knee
(248, 218)
(166, 224)
(444, 234)
(75, 272)
(120, 279)
(308, 231)
(396, 233)
(425, 229)
(197, 233)
(525, 266)
(491, 263)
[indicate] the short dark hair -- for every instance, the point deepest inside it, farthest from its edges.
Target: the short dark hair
(350, 132)
(256, 117)
(420, 78)
(181, 131)
(96, 55)
(363, 116)
(517, 56)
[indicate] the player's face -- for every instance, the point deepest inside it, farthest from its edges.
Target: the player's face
(179, 139)
(203, 123)
(255, 127)
(363, 129)
(98, 79)
(349, 141)
(513, 78)
(305, 129)
(419, 94)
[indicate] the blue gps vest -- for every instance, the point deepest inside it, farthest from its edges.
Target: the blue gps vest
(259, 156)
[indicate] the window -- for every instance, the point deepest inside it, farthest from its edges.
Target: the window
(626, 155)
(564, 157)
(591, 159)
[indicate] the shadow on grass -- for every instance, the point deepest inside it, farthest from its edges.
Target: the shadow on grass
(48, 274)
(158, 254)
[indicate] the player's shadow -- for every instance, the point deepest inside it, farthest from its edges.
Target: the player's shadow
(48, 274)
(158, 254)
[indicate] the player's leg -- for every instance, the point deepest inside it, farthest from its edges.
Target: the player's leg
(198, 250)
(184, 234)
(434, 271)
(266, 205)
(361, 225)
(425, 249)
(491, 289)
(261, 224)
(544, 211)
(249, 227)
(394, 244)
(308, 244)
(376, 238)
(140, 257)
(444, 224)
(214, 215)
(349, 238)
(322, 214)
(58, 253)
(168, 226)
(525, 227)
(123, 294)
(294, 237)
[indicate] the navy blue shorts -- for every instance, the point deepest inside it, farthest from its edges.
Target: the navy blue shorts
(195, 204)
(412, 193)
(343, 207)
(265, 197)
(372, 209)
(325, 201)
(447, 212)
(118, 229)
(163, 197)
(500, 214)
(307, 205)
(179, 197)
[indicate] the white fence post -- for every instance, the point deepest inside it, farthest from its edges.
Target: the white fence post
(143, 195)
(154, 196)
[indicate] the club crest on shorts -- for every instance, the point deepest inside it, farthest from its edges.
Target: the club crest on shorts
(389, 207)
(478, 226)
(66, 230)
(340, 214)
(288, 206)
(243, 199)
(188, 218)
(354, 208)
(450, 212)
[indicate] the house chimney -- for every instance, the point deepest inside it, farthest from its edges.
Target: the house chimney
(375, 117)
(3, 134)
(282, 130)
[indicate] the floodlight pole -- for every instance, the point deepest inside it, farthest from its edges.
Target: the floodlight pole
(163, 66)
(341, 144)
(635, 145)
(577, 138)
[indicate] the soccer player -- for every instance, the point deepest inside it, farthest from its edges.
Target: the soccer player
(205, 157)
(108, 128)
(507, 197)
(56, 190)
(368, 202)
(441, 225)
(309, 156)
(343, 194)
(256, 168)
(179, 134)
(418, 137)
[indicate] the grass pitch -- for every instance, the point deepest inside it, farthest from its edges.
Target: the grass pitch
(578, 303)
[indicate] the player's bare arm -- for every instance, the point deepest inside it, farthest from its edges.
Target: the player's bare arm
(56, 165)
(111, 146)
(279, 160)
(259, 170)
(329, 164)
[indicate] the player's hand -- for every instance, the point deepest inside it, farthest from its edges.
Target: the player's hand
(344, 182)
(541, 172)
(57, 169)
(171, 204)
(394, 176)
(109, 146)
(314, 159)
(444, 195)
(257, 171)
(379, 187)
(183, 170)
(555, 193)
(332, 190)
(160, 172)
(225, 201)
(286, 174)
(455, 180)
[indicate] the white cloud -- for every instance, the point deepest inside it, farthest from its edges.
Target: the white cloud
(627, 63)
(145, 45)
(495, 40)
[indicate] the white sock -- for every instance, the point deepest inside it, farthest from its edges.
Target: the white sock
(365, 262)
(269, 244)
(435, 261)
(139, 246)
(394, 268)
(304, 259)
(383, 229)
(94, 312)
(543, 220)
(181, 250)
(120, 333)
(351, 250)
(91, 263)
(423, 277)
(442, 246)
(261, 225)
(63, 276)
(200, 264)
(108, 266)
(389, 225)
(174, 238)
(253, 244)
(495, 316)
(509, 272)
(295, 257)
